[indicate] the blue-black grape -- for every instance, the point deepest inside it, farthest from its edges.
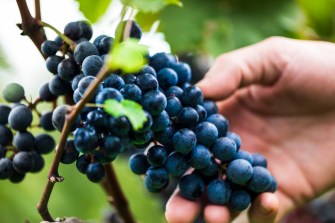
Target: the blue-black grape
(58, 86)
(242, 154)
(157, 156)
(160, 122)
(44, 143)
(154, 102)
(38, 162)
(75, 81)
(85, 140)
(119, 126)
(6, 136)
(114, 81)
(161, 60)
(138, 163)
(236, 138)
(210, 170)
(259, 160)
(176, 164)
(105, 45)
(220, 122)
(173, 106)
(206, 133)
(95, 172)
(4, 113)
(23, 162)
(49, 48)
(239, 200)
(156, 177)
(201, 112)
(188, 117)
(174, 91)
(135, 29)
(70, 154)
(210, 107)
(108, 93)
(184, 141)
(191, 186)
(199, 157)
(67, 69)
(192, 96)
(83, 50)
(112, 146)
(218, 192)
(183, 71)
(20, 118)
(45, 94)
(129, 79)
(239, 171)
(92, 65)
(164, 137)
(167, 77)
(52, 63)
(147, 82)
(131, 92)
(17, 177)
(6, 168)
(24, 141)
(97, 40)
(58, 117)
(260, 180)
(224, 149)
(82, 163)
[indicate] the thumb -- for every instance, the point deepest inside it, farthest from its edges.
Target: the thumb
(261, 63)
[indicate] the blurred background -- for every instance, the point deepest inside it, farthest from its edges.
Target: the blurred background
(197, 33)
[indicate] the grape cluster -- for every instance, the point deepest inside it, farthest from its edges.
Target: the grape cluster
(182, 130)
(20, 152)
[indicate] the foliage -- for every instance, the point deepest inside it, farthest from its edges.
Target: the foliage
(93, 10)
(132, 110)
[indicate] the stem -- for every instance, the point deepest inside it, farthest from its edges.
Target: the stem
(37, 10)
(61, 35)
(30, 25)
(117, 197)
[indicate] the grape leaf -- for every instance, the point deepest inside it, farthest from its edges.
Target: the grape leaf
(151, 5)
(132, 110)
(128, 56)
(93, 10)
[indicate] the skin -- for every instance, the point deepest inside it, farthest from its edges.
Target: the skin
(279, 97)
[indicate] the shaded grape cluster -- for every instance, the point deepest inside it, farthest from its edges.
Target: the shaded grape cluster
(20, 151)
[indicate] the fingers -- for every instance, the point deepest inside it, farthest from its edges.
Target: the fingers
(180, 210)
(218, 214)
(257, 64)
(264, 209)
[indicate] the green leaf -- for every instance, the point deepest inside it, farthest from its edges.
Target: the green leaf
(150, 5)
(132, 110)
(93, 10)
(128, 56)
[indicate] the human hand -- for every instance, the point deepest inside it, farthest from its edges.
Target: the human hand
(279, 97)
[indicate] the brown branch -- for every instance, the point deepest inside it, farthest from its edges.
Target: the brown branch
(116, 195)
(37, 10)
(30, 25)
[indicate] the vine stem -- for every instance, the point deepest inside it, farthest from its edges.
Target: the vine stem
(60, 34)
(30, 25)
(37, 10)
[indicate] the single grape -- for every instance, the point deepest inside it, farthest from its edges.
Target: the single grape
(75, 81)
(154, 102)
(188, 117)
(38, 162)
(239, 200)
(129, 79)
(112, 146)
(23, 162)
(210, 170)
(58, 86)
(176, 164)
(85, 140)
(138, 163)
(191, 186)
(73, 30)
(17, 177)
(58, 40)
(173, 106)
(206, 133)
(86, 30)
(20, 118)
(220, 122)
(161, 60)
(131, 92)
(192, 96)
(49, 48)
(119, 126)
(84, 84)
(184, 141)
(95, 172)
(52, 63)
(13, 93)
(183, 71)
(156, 177)
(105, 45)
(45, 93)
(259, 160)
(24, 141)
(260, 181)
(218, 192)
(76, 96)
(164, 137)
(83, 50)
(210, 107)
(157, 156)
(44, 143)
(97, 40)
(201, 112)
(239, 171)
(147, 82)
(224, 149)
(67, 69)
(160, 122)
(97, 119)
(114, 81)
(6, 136)
(92, 65)
(199, 157)
(174, 91)
(108, 93)
(6, 168)
(140, 138)
(82, 163)
(58, 117)
(167, 77)
(70, 154)
(4, 113)
(273, 186)
(236, 138)
(244, 155)
(148, 69)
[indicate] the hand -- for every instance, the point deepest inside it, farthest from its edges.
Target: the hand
(279, 96)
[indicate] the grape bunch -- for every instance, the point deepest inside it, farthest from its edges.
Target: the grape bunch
(20, 152)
